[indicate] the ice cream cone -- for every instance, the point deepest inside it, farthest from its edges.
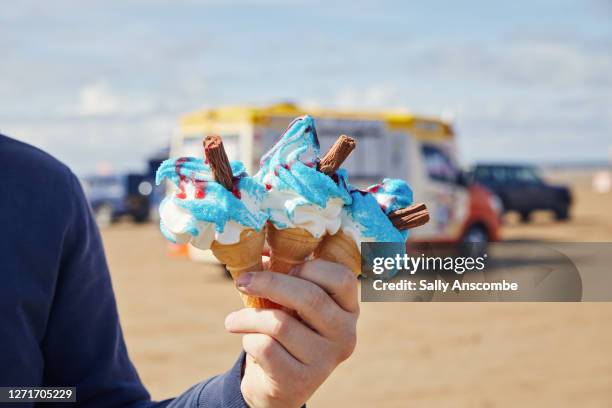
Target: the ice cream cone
(244, 256)
(340, 248)
(289, 247)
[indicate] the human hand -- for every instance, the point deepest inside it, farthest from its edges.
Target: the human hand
(288, 358)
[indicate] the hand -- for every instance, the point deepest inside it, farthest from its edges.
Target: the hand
(289, 356)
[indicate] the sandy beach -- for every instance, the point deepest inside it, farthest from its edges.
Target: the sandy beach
(408, 354)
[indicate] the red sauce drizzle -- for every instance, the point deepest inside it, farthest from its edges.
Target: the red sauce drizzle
(182, 179)
(200, 189)
(200, 185)
(235, 189)
(374, 189)
(285, 166)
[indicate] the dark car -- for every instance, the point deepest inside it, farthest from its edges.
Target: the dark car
(520, 188)
(113, 196)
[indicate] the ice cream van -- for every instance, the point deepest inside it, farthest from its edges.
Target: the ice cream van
(421, 150)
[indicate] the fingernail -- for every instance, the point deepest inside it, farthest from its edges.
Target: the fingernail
(244, 280)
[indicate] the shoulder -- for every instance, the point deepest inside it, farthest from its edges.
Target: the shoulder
(34, 181)
(26, 167)
(28, 159)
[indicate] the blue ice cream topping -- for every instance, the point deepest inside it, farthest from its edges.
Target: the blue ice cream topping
(289, 172)
(209, 201)
(370, 209)
(392, 194)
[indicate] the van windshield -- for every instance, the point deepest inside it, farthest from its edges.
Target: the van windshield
(438, 165)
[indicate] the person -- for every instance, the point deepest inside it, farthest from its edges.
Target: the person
(60, 325)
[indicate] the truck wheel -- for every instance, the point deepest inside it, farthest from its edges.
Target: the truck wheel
(525, 216)
(562, 213)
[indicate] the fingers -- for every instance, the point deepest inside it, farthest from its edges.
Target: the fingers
(337, 280)
(296, 338)
(270, 355)
(310, 301)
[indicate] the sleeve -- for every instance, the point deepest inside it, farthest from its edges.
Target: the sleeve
(83, 344)
(221, 391)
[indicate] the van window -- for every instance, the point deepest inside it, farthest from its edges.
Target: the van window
(192, 146)
(366, 162)
(438, 165)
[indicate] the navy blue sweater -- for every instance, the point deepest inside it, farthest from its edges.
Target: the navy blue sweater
(58, 318)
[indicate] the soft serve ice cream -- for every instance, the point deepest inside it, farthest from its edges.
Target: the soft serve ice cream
(305, 200)
(202, 210)
(299, 196)
(367, 218)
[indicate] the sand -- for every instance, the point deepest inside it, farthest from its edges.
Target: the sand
(408, 354)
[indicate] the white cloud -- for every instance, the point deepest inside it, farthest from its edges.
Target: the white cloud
(378, 95)
(83, 143)
(100, 99)
(100, 83)
(553, 63)
(97, 99)
(558, 64)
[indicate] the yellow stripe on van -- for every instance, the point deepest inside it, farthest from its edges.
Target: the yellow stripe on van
(204, 120)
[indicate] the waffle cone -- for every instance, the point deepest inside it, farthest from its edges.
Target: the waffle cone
(340, 248)
(289, 247)
(244, 256)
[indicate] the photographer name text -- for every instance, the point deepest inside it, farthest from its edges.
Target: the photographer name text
(442, 286)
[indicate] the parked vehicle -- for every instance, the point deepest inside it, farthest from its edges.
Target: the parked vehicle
(114, 196)
(158, 192)
(521, 188)
(418, 149)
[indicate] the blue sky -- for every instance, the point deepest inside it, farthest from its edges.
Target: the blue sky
(106, 81)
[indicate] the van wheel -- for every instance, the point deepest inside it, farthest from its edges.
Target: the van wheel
(525, 216)
(475, 233)
(562, 213)
(475, 241)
